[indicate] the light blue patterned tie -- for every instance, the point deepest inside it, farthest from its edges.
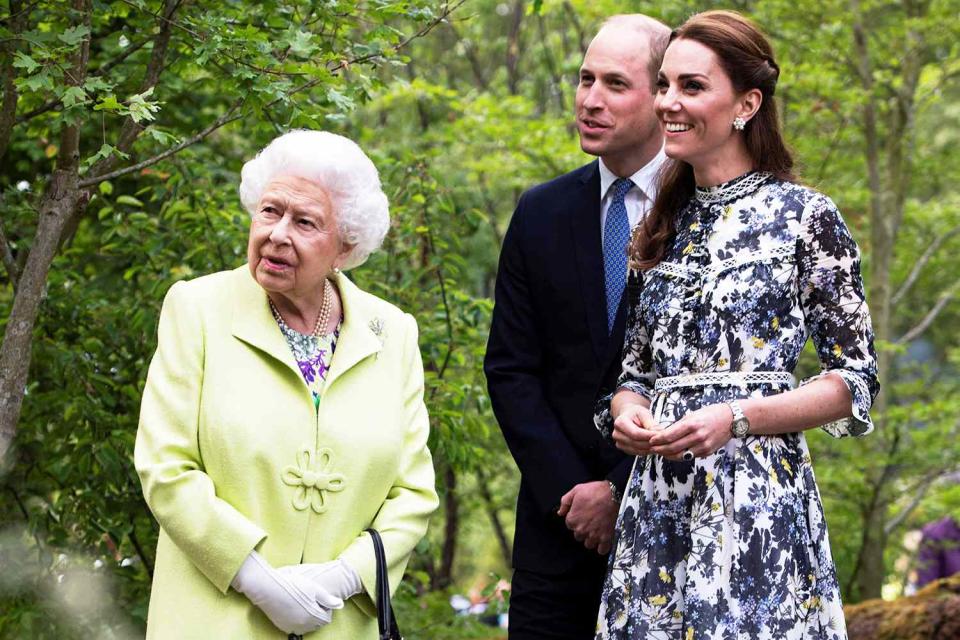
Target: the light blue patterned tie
(616, 236)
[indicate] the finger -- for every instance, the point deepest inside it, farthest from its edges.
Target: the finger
(673, 433)
(566, 502)
(627, 426)
(646, 420)
(632, 435)
(692, 441)
(632, 450)
(327, 600)
(603, 548)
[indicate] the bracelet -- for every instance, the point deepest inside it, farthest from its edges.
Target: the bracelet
(614, 492)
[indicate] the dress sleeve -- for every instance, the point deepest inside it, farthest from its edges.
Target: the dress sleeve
(637, 372)
(835, 311)
(403, 517)
(212, 533)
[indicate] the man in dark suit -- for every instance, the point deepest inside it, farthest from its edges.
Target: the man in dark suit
(557, 333)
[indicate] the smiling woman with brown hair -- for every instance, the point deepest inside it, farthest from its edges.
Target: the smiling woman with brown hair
(260, 452)
(721, 532)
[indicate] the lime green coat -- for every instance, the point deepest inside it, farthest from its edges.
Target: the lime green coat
(233, 457)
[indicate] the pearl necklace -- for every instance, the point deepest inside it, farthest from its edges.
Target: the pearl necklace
(326, 305)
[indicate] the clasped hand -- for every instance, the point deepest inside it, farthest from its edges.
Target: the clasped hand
(298, 598)
(702, 432)
(590, 513)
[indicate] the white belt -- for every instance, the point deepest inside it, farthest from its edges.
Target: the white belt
(724, 378)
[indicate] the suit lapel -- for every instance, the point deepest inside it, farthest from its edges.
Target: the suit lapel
(585, 229)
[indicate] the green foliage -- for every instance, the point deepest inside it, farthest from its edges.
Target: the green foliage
(459, 123)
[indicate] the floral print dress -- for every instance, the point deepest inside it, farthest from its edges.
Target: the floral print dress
(733, 546)
(313, 355)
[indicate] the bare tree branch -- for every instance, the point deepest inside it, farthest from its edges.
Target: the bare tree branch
(582, 40)
(924, 324)
(922, 262)
(919, 493)
(475, 65)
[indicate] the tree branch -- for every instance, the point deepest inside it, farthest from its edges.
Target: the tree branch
(131, 128)
(60, 202)
(475, 65)
(232, 116)
(924, 324)
(922, 262)
(8, 109)
(98, 72)
(223, 120)
(9, 262)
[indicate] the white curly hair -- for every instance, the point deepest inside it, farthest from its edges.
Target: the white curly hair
(341, 169)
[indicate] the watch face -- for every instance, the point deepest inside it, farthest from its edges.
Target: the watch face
(740, 428)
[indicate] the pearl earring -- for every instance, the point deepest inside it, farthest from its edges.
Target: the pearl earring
(739, 123)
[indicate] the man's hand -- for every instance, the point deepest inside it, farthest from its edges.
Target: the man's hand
(590, 512)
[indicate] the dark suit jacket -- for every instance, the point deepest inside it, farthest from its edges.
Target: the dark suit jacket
(548, 358)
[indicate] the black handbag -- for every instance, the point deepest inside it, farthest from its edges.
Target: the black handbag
(386, 622)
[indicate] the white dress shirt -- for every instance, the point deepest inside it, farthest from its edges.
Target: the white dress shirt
(639, 199)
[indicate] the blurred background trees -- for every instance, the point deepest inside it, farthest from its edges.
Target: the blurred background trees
(123, 127)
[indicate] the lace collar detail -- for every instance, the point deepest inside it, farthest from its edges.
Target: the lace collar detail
(732, 189)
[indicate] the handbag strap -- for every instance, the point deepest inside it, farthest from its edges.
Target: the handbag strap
(386, 622)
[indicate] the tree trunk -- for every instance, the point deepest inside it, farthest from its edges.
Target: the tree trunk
(59, 203)
(498, 530)
(889, 171)
(451, 528)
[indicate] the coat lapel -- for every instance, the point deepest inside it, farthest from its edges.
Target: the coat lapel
(253, 322)
(585, 227)
(361, 334)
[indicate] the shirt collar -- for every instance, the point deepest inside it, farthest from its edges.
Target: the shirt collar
(645, 178)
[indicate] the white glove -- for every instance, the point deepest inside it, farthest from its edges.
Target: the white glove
(293, 604)
(336, 577)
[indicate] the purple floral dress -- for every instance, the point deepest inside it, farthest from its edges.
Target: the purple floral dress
(734, 546)
(313, 356)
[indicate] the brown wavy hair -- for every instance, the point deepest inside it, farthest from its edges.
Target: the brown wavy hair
(747, 58)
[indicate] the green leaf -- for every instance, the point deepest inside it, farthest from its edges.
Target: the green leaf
(73, 96)
(74, 35)
(140, 109)
(23, 61)
(129, 200)
(37, 82)
(301, 43)
(109, 103)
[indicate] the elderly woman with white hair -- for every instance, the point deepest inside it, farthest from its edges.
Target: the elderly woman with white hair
(283, 415)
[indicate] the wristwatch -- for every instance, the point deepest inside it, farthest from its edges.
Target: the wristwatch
(740, 426)
(615, 494)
